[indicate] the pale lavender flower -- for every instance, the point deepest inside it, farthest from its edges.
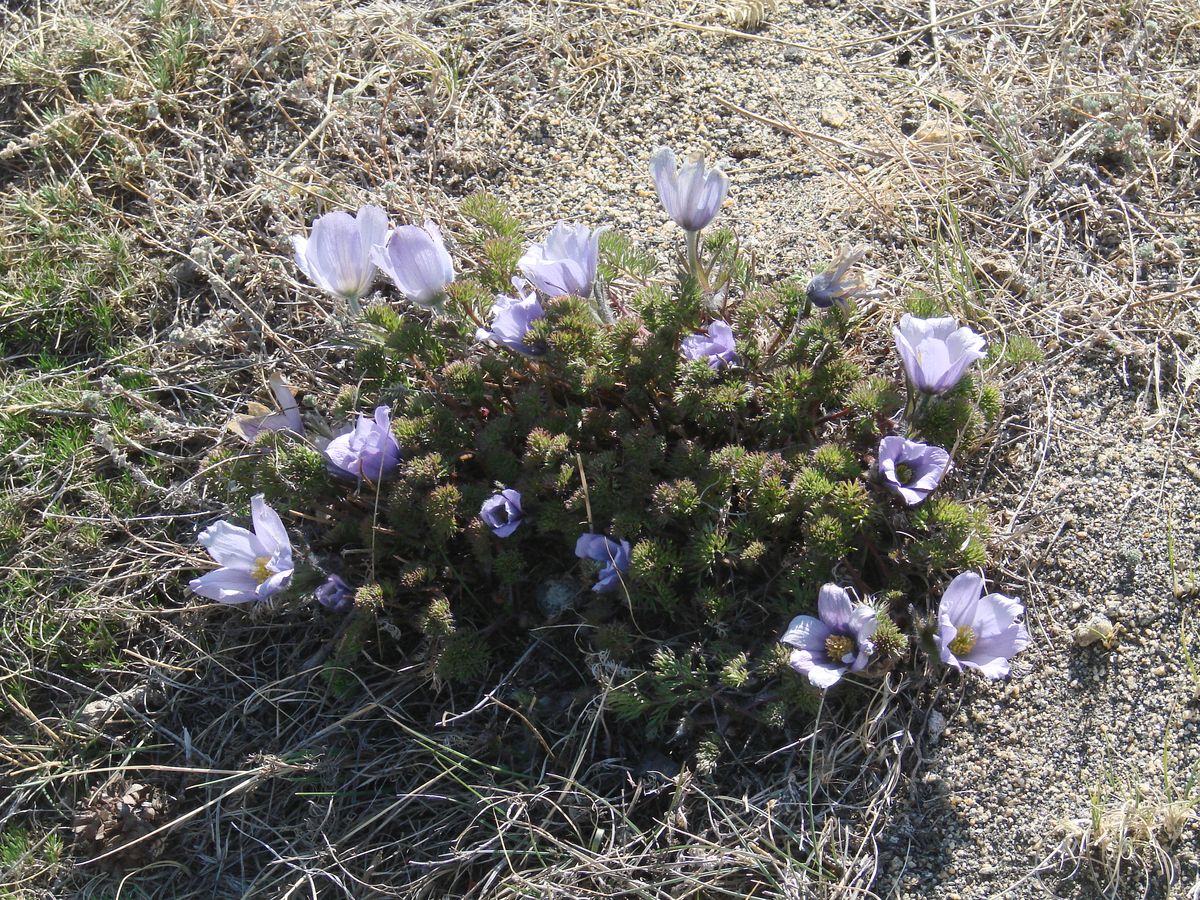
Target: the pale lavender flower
(564, 263)
(824, 648)
(936, 352)
(369, 451)
(716, 347)
(262, 419)
(512, 318)
(336, 256)
(911, 469)
(978, 631)
(254, 564)
(614, 556)
(691, 194)
(501, 512)
(418, 263)
(335, 594)
(838, 284)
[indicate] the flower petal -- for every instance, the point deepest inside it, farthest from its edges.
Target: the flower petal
(662, 170)
(274, 584)
(958, 603)
(806, 633)
(863, 622)
(824, 675)
(834, 607)
(232, 546)
(592, 546)
(287, 402)
(993, 668)
(268, 527)
(225, 586)
(335, 261)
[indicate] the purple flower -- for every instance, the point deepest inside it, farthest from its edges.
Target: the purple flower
(501, 512)
(334, 594)
(978, 631)
(262, 419)
(911, 469)
(254, 565)
(564, 263)
(936, 352)
(691, 194)
(417, 262)
(840, 639)
(512, 317)
(336, 256)
(614, 556)
(716, 348)
(370, 451)
(838, 284)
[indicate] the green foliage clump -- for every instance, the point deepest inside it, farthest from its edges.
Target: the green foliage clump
(732, 492)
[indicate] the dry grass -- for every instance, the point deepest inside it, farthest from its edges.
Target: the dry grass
(1128, 839)
(1041, 172)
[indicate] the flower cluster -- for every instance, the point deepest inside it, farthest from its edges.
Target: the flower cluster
(677, 461)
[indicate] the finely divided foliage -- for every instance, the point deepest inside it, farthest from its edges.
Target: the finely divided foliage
(713, 448)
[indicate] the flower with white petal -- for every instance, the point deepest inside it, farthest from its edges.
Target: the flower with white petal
(565, 262)
(336, 256)
(936, 352)
(976, 630)
(692, 194)
(254, 564)
(417, 262)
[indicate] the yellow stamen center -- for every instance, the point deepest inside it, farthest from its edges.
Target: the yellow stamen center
(260, 572)
(964, 641)
(839, 646)
(904, 473)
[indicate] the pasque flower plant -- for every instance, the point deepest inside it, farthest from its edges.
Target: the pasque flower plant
(717, 483)
(936, 352)
(512, 318)
(335, 594)
(715, 347)
(261, 419)
(839, 640)
(976, 630)
(613, 557)
(565, 262)
(501, 512)
(911, 469)
(691, 194)
(841, 282)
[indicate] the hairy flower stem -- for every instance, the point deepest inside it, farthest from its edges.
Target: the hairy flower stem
(599, 305)
(693, 259)
(914, 410)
